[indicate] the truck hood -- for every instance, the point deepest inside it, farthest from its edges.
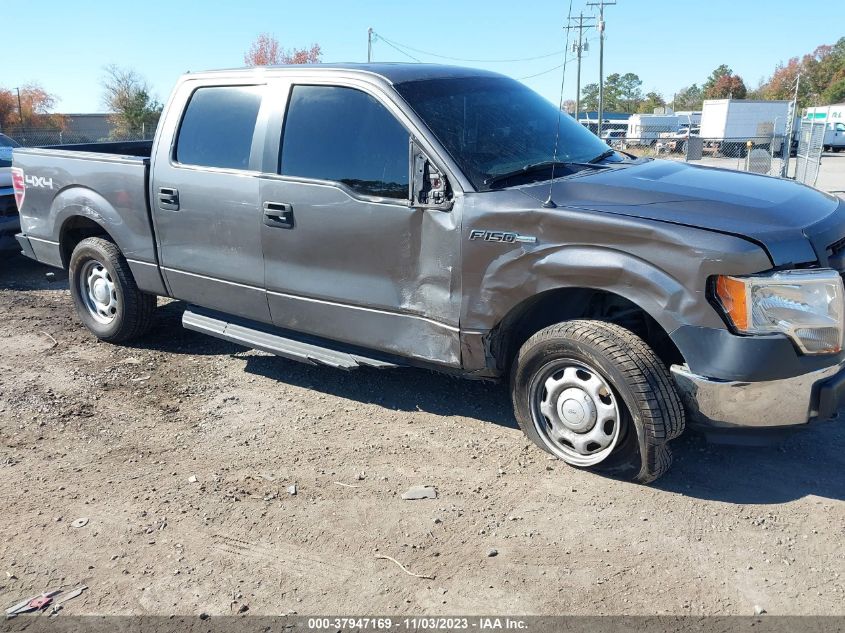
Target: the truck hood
(790, 220)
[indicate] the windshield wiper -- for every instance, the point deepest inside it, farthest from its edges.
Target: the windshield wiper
(602, 156)
(523, 171)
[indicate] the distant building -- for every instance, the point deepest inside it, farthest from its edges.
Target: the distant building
(87, 127)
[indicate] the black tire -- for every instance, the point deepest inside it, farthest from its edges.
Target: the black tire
(133, 314)
(653, 412)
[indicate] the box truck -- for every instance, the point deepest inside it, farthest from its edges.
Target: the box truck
(728, 124)
(833, 117)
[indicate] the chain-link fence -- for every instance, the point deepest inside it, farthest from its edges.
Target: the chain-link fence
(810, 147)
(40, 137)
(758, 154)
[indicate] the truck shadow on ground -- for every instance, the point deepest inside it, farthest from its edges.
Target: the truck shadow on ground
(20, 273)
(809, 463)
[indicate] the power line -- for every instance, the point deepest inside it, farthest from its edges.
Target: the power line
(398, 45)
(546, 72)
(396, 48)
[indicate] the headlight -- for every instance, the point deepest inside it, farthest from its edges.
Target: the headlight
(806, 305)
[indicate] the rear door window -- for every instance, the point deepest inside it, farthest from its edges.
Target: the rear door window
(218, 127)
(345, 135)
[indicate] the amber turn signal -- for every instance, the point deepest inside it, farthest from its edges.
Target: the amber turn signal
(732, 295)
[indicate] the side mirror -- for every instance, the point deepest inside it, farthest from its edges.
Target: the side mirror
(429, 186)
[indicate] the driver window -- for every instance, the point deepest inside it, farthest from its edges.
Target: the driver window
(345, 135)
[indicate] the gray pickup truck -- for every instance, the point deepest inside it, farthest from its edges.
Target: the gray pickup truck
(419, 215)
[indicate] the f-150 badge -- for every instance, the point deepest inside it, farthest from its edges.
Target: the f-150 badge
(506, 237)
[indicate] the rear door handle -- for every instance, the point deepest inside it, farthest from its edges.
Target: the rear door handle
(168, 198)
(278, 215)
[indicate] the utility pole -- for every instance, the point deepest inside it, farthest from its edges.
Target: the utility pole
(601, 4)
(20, 108)
(578, 48)
(369, 45)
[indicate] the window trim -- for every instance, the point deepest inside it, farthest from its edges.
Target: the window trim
(352, 193)
(258, 132)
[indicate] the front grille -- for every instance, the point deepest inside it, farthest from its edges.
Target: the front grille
(8, 206)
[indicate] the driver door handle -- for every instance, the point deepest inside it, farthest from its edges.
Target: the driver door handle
(168, 198)
(278, 215)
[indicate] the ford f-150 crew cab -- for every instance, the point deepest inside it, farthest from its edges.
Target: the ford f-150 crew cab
(390, 214)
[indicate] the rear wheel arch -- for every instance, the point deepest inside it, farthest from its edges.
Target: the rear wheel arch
(76, 228)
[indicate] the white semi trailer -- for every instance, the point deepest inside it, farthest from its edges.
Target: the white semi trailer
(730, 123)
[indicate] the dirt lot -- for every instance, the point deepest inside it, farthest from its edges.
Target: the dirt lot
(180, 451)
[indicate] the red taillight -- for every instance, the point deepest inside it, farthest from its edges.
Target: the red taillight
(18, 185)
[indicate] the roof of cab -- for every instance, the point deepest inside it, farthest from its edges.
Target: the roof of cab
(394, 73)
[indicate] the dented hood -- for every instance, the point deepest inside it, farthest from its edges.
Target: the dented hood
(784, 217)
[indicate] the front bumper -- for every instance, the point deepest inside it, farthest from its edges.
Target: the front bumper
(728, 404)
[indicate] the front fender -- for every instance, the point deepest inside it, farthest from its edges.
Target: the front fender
(660, 267)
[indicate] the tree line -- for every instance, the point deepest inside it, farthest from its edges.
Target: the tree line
(822, 82)
(127, 96)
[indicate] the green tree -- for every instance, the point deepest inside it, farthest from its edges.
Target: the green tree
(688, 98)
(651, 101)
(622, 93)
(127, 96)
(612, 92)
(727, 87)
(835, 93)
(590, 97)
(722, 70)
(630, 92)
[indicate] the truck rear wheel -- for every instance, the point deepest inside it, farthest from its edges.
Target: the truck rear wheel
(105, 294)
(596, 396)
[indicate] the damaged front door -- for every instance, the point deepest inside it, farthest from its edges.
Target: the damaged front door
(346, 256)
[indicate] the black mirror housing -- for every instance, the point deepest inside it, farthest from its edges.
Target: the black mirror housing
(429, 186)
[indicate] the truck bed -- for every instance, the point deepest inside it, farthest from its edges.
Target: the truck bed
(103, 184)
(141, 149)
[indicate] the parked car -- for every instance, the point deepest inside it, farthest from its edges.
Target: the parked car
(614, 138)
(418, 215)
(9, 224)
(676, 141)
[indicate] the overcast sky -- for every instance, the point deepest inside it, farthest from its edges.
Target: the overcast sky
(64, 44)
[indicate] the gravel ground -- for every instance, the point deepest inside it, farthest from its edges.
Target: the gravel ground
(181, 451)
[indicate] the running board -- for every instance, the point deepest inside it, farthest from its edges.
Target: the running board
(310, 353)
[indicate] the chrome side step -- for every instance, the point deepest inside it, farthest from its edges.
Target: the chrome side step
(310, 353)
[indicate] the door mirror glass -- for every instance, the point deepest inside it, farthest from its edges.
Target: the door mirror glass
(429, 186)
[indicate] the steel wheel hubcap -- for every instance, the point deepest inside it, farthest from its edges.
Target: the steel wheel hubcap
(98, 292)
(575, 412)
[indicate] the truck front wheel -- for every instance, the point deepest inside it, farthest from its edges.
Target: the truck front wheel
(596, 396)
(105, 294)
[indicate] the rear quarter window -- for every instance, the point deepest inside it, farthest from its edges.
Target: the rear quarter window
(218, 126)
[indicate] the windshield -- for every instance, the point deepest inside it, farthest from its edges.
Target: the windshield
(495, 125)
